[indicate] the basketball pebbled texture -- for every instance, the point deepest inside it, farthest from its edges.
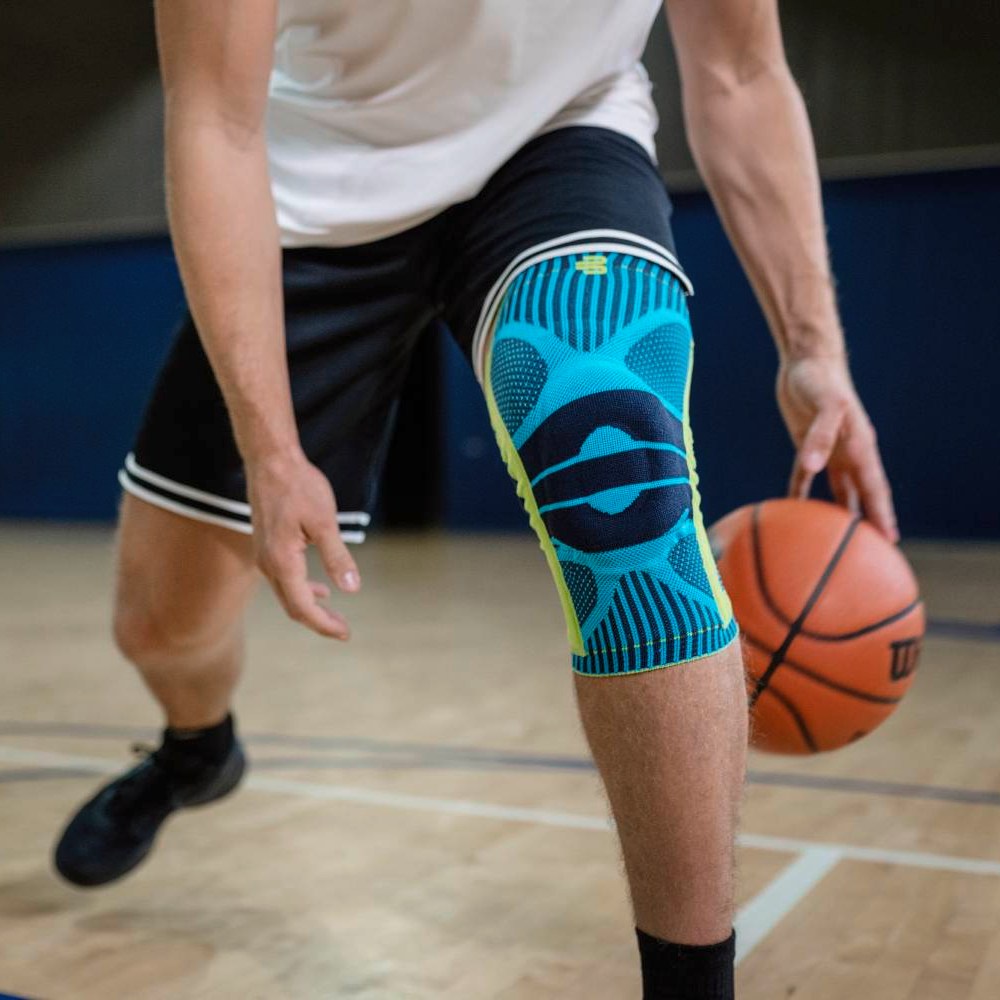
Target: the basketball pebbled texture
(831, 620)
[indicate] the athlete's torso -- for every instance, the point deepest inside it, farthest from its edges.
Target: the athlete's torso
(385, 112)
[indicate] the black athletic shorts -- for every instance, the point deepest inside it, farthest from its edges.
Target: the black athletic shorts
(353, 316)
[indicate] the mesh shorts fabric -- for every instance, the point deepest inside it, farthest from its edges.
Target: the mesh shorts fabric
(353, 316)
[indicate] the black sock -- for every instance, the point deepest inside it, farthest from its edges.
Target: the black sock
(686, 971)
(210, 745)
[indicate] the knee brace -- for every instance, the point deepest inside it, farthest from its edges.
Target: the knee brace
(587, 379)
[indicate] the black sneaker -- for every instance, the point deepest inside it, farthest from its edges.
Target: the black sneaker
(113, 832)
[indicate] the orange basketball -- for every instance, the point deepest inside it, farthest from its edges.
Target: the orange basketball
(831, 621)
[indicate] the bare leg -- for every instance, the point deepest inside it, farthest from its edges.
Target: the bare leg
(671, 747)
(182, 589)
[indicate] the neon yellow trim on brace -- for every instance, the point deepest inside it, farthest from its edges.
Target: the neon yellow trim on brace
(708, 560)
(516, 469)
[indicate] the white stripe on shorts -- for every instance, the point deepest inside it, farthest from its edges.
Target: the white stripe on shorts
(137, 480)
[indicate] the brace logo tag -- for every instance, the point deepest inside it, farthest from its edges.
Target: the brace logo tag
(593, 264)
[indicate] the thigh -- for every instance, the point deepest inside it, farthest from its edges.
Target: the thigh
(352, 318)
(178, 576)
(580, 190)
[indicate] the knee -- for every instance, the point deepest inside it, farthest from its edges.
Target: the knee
(138, 635)
(594, 398)
(591, 409)
(147, 636)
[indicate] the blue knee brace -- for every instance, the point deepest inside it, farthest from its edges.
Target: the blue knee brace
(587, 379)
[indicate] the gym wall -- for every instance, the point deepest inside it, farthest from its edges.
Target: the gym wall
(909, 135)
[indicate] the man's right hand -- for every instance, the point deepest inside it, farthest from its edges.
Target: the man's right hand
(216, 60)
(294, 507)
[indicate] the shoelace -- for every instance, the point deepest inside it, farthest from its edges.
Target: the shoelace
(142, 788)
(143, 750)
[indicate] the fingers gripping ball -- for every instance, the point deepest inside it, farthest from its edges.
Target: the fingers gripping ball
(587, 381)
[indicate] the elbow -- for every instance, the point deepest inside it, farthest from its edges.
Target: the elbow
(239, 126)
(734, 78)
(721, 99)
(729, 115)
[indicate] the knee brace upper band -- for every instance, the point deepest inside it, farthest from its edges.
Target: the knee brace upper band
(587, 380)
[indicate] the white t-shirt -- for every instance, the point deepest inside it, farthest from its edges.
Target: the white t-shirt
(383, 113)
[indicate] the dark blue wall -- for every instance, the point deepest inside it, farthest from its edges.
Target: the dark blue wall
(82, 330)
(918, 266)
(916, 261)
(83, 327)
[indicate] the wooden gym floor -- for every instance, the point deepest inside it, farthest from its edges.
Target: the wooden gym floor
(422, 820)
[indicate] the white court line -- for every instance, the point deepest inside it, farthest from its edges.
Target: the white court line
(335, 793)
(421, 803)
(43, 758)
(766, 910)
(539, 817)
(877, 855)
(753, 922)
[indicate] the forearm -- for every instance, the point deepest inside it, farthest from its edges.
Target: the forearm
(226, 241)
(753, 144)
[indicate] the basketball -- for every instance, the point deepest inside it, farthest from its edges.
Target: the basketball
(830, 617)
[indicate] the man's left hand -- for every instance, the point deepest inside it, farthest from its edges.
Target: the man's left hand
(831, 430)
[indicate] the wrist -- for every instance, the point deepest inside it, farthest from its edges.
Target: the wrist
(274, 461)
(812, 342)
(808, 320)
(268, 440)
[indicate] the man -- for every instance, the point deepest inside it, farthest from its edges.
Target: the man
(339, 173)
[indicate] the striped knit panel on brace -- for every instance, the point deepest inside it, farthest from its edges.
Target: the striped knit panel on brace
(587, 381)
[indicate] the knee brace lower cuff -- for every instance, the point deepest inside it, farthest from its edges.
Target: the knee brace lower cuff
(587, 380)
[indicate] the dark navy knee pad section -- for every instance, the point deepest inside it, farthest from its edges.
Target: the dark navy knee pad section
(587, 379)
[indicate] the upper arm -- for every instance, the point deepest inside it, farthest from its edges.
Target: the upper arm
(216, 58)
(722, 44)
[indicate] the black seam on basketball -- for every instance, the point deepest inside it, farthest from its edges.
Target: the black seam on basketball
(799, 721)
(844, 636)
(825, 681)
(781, 616)
(758, 563)
(796, 626)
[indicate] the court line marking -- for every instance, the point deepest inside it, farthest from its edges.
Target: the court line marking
(960, 628)
(537, 817)
(29, 774)
(441, 756)
(753, 922)
(775, 901)
(876, 855)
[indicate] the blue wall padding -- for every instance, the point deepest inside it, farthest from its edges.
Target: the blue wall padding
(83, 328)
(918, 266)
